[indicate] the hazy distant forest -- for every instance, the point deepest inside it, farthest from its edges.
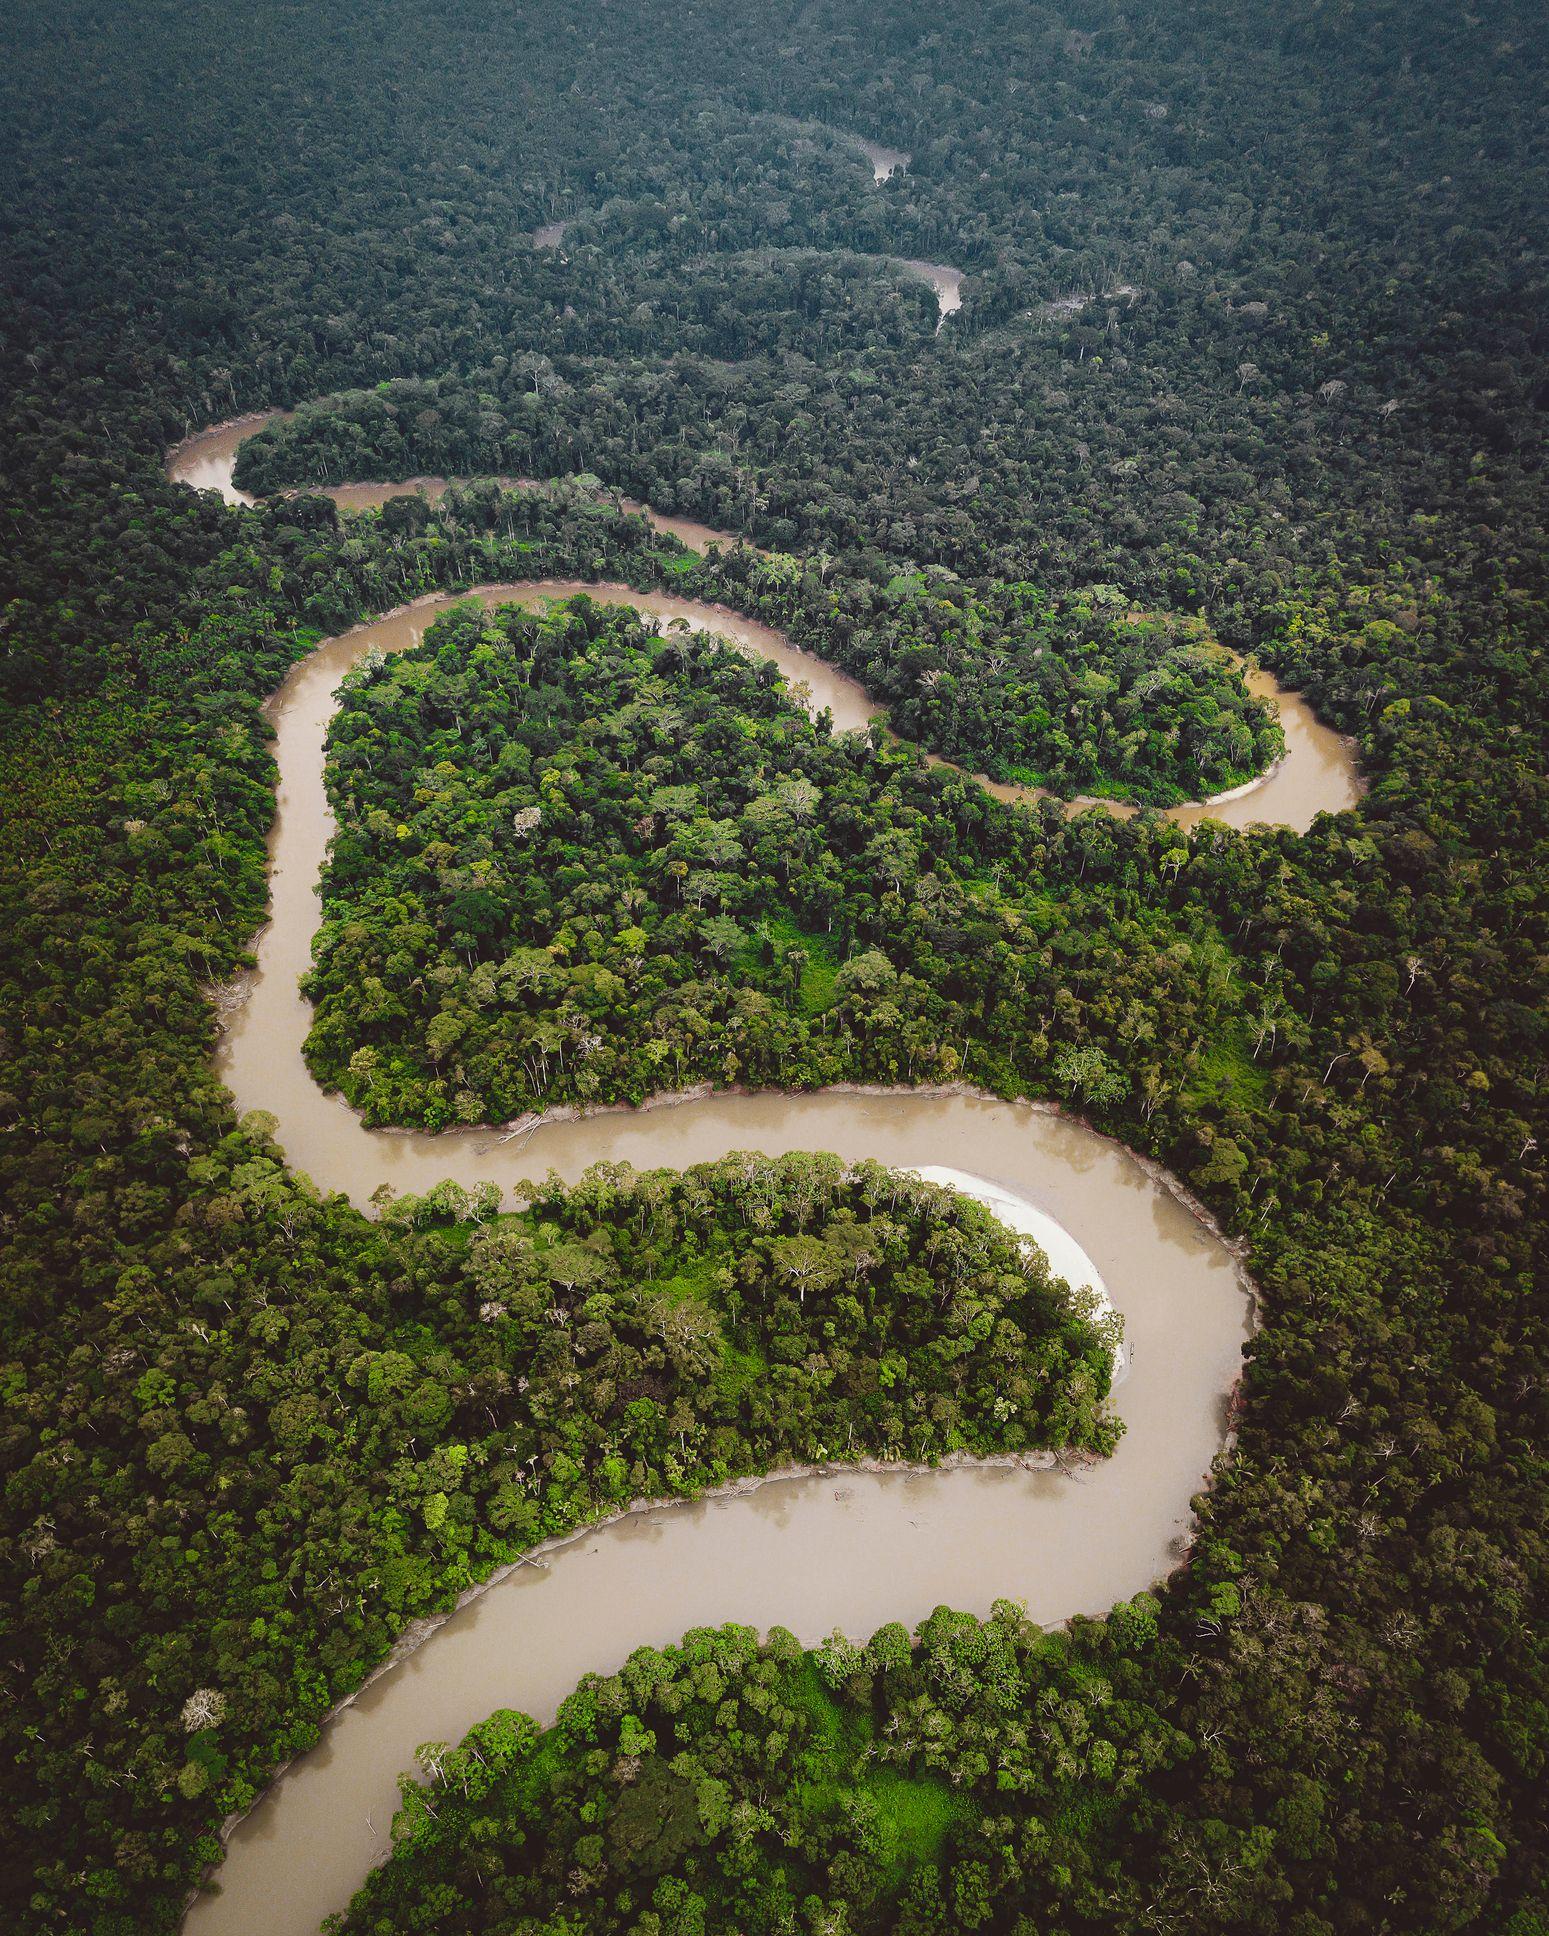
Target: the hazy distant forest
(1252, 349)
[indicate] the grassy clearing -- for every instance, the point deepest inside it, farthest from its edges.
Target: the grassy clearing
(910, 1817)
(776, 936)
(1227, 1072)
(914, 1819)
(742, 1365)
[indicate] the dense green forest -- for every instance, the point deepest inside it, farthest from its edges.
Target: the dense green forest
(1252, 342)
(728, 1785)
(1080, 693)
(581, 862)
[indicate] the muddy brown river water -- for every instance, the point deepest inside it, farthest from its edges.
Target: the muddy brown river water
(1317, 773)
(945, 280)
(839, 1546)
(842, 1547)
(884, 161)
(206, 461)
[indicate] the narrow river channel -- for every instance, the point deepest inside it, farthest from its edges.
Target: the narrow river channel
(1316, 774)
(945, 280)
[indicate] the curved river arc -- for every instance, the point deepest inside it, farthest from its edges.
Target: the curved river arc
(1316, 774)
(808, 1550)
(946, 281)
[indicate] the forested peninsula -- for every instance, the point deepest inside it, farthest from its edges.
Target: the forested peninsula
(582, 862)
(1249, 366)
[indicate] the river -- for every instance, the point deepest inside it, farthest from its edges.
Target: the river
(1316, 774)
(848, 1547)
(942, 277)
(884, 161)
(843, 1547)
(207, 460)
(945, 280)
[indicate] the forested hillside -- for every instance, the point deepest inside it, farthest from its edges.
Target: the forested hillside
(1251, 350)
